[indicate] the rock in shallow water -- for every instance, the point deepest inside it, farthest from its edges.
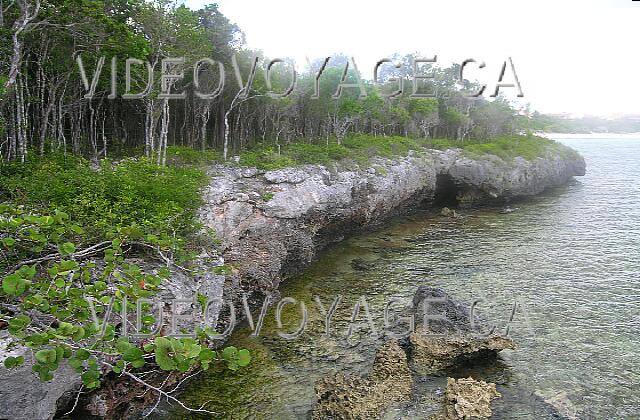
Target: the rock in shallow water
(352, 397)
(449, 333)
(467, 398)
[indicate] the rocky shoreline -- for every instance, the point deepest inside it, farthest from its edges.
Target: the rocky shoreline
(459, 336)
(273, 223)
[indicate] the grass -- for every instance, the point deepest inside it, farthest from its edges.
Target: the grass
(183, 155)
(361, 148)
(508, 147)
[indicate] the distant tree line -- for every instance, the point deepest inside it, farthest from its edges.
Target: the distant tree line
(564, 124)
(42, 93)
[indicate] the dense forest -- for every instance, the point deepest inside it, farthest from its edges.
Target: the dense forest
(50, 100)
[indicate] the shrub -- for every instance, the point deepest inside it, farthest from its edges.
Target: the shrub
(161, 201)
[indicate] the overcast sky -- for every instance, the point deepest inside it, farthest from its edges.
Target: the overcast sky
(575, 56)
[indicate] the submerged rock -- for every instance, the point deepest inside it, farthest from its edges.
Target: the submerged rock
(449, 333)
(467, 398)
(352, 397)
(560, 402)
(360, 264)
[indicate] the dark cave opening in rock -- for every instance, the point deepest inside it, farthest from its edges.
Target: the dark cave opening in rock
(446, 194)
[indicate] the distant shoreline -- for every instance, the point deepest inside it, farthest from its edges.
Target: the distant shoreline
(587, 135)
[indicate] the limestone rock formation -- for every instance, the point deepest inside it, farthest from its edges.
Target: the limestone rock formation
(23, 395)
(314, 205)
(467, 398)
(351, 397)
(449, 333)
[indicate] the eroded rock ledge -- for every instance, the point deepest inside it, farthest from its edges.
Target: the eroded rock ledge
(273, 223)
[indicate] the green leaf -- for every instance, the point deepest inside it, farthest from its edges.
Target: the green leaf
(79, 334)
(13, 362)
(67, 265)
(8, 242)
(244, 357)
(77, 229)
(132, 354)
(82, 354)
(192, 350)
(14, 285)
(67, 248)
(207, 355)
(90, 378)
(45, 375)
(123, 345)
(119, 366)
(138, 363)
(75, 363)
(66, 328)
(163, 351)
(46, 356)
(229, 353)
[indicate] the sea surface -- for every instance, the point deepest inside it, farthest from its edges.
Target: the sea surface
(568, 261)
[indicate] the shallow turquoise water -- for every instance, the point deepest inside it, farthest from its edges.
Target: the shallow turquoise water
(569, 259)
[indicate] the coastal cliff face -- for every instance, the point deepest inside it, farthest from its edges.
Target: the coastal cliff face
(273, 223)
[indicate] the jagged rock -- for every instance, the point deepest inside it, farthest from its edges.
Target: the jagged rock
(351, 397)
(447, 212)
(289, 175)
(490, 177)
(438, 344)
(23, 395)
(316, 205)
(467, 398)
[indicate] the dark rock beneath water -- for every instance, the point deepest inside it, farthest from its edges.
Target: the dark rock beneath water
(360, 264)
(352, 397)
(449, 333)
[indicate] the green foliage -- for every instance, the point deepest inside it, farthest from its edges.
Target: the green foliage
(507, 147)
(13, 362)
(134, 195)
(183, 155)
(265, 158)
(67, 292)
(61, 212)
(359, 148)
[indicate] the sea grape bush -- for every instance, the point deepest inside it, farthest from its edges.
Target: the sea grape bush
(54, 298)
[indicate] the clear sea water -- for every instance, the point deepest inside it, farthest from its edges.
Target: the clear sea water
(569, 259)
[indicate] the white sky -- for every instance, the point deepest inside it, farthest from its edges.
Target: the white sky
(576, 56)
